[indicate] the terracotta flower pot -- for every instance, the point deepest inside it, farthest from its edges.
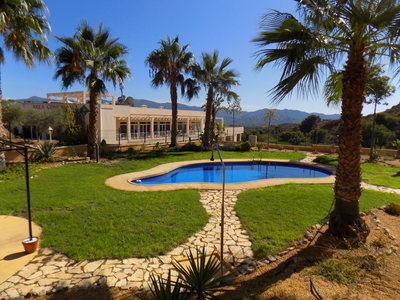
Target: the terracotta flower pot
(30, 245)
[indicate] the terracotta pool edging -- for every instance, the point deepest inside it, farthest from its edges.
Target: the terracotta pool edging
(122, 182)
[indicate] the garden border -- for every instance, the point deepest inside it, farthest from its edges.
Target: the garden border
(122, 182)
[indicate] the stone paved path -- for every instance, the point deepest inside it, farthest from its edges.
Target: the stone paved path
(49, 271)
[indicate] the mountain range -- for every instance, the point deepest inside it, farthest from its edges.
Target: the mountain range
(245, 118)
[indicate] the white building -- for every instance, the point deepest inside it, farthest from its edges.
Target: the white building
(124, 124)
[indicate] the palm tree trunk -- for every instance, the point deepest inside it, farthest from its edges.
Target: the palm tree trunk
(174, 103)
(373, 144)
(2, 135)
(213, 115)
(345, 220)
(207, 126)
(93, 139)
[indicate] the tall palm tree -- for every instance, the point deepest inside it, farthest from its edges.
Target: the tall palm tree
(377, 89)
(216, 79)
(24, 29)
(91, 58)
(220, 97)
(168, 65)
(328, 34)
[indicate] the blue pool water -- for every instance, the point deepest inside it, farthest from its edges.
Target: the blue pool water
(235, 172)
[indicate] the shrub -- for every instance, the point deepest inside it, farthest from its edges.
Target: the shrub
(192, 147)
(174, 149)
(393, 209)
(45, 152)
(228, 147)
(244, 146)
(326, 160)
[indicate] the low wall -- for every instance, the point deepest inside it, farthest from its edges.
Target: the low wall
(326, 149)
(79, 150)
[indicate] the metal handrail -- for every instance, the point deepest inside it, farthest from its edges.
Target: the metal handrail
(216, 146)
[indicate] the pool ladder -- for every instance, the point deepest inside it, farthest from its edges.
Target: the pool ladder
(259, 157)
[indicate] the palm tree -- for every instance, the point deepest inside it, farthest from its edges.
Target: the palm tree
(91, 58)
(270, 115)
(377, 89)
(220, 97)
(168, 65)
(217, 80)
(327, 34)
(24, 29)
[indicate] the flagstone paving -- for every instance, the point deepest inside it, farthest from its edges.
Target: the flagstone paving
(50, 271)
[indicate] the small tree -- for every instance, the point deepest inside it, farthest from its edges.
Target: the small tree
(12, 115)
(234, 108)
(309, 123)
(270, 115)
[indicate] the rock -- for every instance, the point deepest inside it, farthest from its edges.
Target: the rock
(271, 258)
(28, 270)
(14, 279)
(90, 267)
(111, 281)
(308, 235)
(121, 283)
(12, 293)
(46, 281)
(49, 269)
(120, 275)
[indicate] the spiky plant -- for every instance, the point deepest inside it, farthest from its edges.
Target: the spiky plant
(201, 278)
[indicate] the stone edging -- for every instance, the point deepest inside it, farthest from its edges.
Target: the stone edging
(50, 272)
(122, 182)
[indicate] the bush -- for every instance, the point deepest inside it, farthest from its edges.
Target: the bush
(228, 147)
(326, 160)
(393, 209)
(45, 152)
(174, 149)
(244, 146)
(192, 147)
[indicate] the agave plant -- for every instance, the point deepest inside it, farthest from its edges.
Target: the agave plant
(201, 278)
(166, 289)
(45, 152)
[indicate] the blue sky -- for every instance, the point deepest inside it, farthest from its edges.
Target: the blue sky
(225, 25)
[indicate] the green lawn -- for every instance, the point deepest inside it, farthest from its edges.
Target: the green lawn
(381, 175)
(85, 219)
(371, 173)
(276, 216)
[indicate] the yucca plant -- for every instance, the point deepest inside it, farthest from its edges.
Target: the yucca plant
(45, 152)
(166, 289)
(201, 278)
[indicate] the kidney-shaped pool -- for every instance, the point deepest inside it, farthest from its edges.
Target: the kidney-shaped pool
(235, 172)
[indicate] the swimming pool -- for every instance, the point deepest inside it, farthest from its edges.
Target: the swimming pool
(236, 172)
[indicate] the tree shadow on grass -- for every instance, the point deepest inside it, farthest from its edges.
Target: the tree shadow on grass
(397, 174)
(322, 249)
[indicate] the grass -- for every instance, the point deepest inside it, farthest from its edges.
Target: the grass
(381, 175)
(276, 216)
(336, 270)
(85, 219)
(372, 173)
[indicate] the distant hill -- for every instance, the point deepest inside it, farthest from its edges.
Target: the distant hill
(245, 118)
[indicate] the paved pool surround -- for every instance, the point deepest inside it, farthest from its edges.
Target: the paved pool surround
(123, 181)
